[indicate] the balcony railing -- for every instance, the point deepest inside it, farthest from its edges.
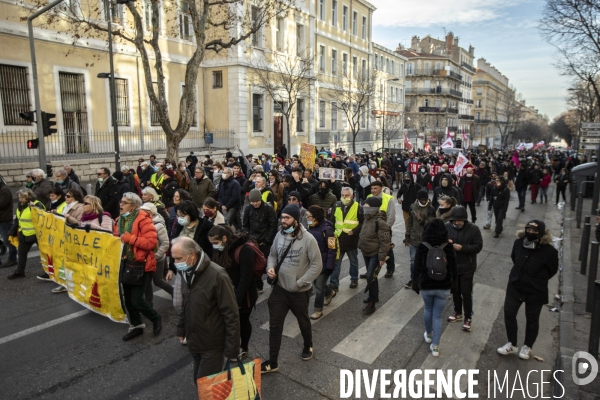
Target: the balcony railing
(456, 93)
(450, 110)
(434, 72)
(482, 121)
(464, 116)
(436, 90)
(468, 101)
(469, 67)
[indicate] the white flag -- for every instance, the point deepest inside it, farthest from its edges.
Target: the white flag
(448, 144)
(461, 161)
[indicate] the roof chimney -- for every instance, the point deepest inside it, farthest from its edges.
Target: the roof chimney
(449, 42)
(414, 42)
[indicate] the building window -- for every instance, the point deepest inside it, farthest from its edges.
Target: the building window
(122, 97)
(299, 40)
(322, 10)
(334, 13)
(322, 58)
(345, 18)
(217, 79)
(257, 110)
(355, 23)
(479, 91)
(410, 69)
(154, 120)
(195, 118)
(345, 64)
(381, 91)
(364, 69)
(364, 28)
(393, 71)
(334, 117)
(344, 117)
(376, 61)
(74, 111)
(322, 111)
(148, 15)
(300, 117)
(185, 21)
(279, 34)
(363, 118)
(334, 62)
(14, 94)
(381, 63)
(255, 35)
(355, 66)
(401, 71)
(478, 104)
(477, 116)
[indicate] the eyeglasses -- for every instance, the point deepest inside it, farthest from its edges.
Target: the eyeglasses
(68, 196)
(124, 202)
(85, 203)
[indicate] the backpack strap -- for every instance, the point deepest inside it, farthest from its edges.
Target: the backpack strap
(441, 247)
(427, 245)
(100, 218)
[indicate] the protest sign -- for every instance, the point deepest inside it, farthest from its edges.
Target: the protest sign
(328, 173)
(461, 161)
(307, 155)
(86, 263)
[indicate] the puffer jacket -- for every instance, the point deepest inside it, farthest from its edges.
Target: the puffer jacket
(535, 176)
(326, 202)
(210, 320)
(532, 269)
(229, 193)
(435, 234)
(325, 237)
(469, 237)
(417, 219)
(260, 223)
(408, 192)
(375, 236)
(42, 190)
(143, 238)
(163, 237)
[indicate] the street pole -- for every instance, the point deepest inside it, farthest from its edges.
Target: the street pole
(113, 92)
(36, 89)
(383, 120)
(596, 183)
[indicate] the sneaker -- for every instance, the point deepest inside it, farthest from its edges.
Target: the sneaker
(243, 353)
(366, 300)
(363, 276)
(389, 274)
(435, 350)
(428, 338)
(508, 348)
(329, 298)
(133, 333)
(353, 284)
(184, 342)
(307, 353)
(316, 315)
(44, 277)
(408, 285)
(59, 289)
(487, 226)
(467, 325)
(525, 352)
(267, 367)
(522, 210)
(15, 275)
(369, 309)
(455, 317)
(335, 288)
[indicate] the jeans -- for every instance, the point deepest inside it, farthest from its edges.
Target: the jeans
(481, 194)
(435, 301)
(322, 290)
(208, 363)
(136, 303)
(522, 194)
(372, 263)
(534, 191)
(159, 281)
(463, 297)
(12, 250)
(412, 251)
(532, 315)
(231, 217)
(471, 205)
(23, 250)
(280, 302)
(543, 194)
(334, 279)
(488, 220)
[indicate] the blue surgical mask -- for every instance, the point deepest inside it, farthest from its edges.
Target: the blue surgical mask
(218, 247)
(60, 181)
(155, 169)
(423, 170)
(310, 222)
(183, 221)
(182, 266)
(126, 214)
(289, 230)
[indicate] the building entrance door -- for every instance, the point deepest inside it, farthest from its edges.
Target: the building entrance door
(277, 133)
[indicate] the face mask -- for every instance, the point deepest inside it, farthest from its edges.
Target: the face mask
(459, 227)
(443, 169)
(531, 236)
(423, 204)
(407, 180)
(444, 183)
(155, 169)
(218, 247)
(443, 210)
(54, 201)
(289, 230)
(309, 223)
(126, 214)
(183, 221)
(469, 175)
(60, 181)
(498, 184)
(182, 169)
(322, 191)
(280, 169)
(182, 266)
(100, 180)
(346, 201)
(370, 210)
(208, 213)
(422, 170)
(169, 167)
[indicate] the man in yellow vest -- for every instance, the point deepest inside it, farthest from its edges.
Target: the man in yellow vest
(347, 220)
(265, 192)
(388, 206)
(23, 227)
(156, 180)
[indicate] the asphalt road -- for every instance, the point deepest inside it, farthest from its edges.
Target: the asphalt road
(52, 348)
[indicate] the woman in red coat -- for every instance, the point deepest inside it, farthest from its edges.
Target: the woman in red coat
(544, 183)
(139, 238)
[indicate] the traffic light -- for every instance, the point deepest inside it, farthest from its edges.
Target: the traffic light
(48, 125)
(583, 146)
(33, 144)
(28, 116)
(49, 169)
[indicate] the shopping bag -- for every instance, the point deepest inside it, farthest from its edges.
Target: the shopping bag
(238, 383)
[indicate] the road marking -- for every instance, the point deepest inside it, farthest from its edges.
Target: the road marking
(371, 337)
(460, 349)
(33, 254)
(43, 326)
(265, 294)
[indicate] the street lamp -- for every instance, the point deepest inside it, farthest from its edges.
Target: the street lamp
(383, 123)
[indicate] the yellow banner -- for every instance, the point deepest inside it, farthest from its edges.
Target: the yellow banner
(86, 263)
(307, 155)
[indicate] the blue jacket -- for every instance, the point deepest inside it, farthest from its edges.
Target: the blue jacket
(321, 233)
(354, 167)
(229, 193)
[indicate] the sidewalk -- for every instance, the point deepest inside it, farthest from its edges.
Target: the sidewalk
(574, 321)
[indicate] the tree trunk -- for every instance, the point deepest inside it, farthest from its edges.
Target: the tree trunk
(173, 142)
(354, 142)
(289, 134)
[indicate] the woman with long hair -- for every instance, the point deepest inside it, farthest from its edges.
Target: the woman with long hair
(276, 186)
(230, 248)
(94, 215)
(180, 196)
(211, 208)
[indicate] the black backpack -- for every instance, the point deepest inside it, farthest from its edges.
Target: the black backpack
(436, 262)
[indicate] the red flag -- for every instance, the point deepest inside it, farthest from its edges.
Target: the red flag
(407, 144)
(427, 147)
(447, 133)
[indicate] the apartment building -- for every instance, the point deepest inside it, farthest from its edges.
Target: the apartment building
(439, 77)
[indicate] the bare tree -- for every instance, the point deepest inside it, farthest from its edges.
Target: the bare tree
(531, 131)
(565, 126)
(353, 93)
(210, 25)
(508, 113)
(392, 124)
(284, 77)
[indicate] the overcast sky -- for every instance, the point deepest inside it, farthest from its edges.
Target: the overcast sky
(504, 32)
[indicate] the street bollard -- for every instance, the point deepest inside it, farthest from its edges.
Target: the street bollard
(88, 188)
(573, 194)
(585, 236)
(592, 274)
(585, 245)
(594, 340)
(579, 209)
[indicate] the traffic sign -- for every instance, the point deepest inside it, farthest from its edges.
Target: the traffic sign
(208, 138)
(588, 134)
(592, 125)
(591, 141)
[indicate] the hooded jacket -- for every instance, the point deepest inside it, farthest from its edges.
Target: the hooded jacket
(260, 223)
(532, 269)
(375, 236)
(435, 234)
(200, 191)
(418, 218)
(523, 178)
(500, 197)
(449, 190)
(408, 192)
(469, 237)
(323, 234)
(210, 320)
(326, 202)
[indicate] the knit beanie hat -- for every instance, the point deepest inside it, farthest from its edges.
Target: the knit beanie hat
(293, 211)
(170, 173)
(255, 195)
(373, 202)
(537, 225)
(422, 194)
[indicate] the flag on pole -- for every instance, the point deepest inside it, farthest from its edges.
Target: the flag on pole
(447, 144)
(407, 144)
(464, 135)
(447, 133)
(427, 147)
(461, 161)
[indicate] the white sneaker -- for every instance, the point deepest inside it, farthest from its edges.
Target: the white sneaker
(525, 353)
(508, 348)
(435, 351)
(316, 315)
(59, 289)
(428, 338)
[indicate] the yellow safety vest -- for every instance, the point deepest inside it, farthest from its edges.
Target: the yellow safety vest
(379, 161)
(157, 183)
(347, 224)
(265, 196)
(25, 221)
(385, 201)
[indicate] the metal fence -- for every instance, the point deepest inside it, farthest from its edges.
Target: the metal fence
(99, 144)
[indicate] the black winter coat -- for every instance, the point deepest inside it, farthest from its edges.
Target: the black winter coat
(532, 269)
(523, 178)
(109, 196)
(408, 192)
(435, 234)
(260, 223)
(500, 197)
(535, 176)
(168, 191)
(469, 237)
(229, 193)
(6, 203)
(449, 190)
(242, 274)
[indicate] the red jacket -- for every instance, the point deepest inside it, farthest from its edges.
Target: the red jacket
(143, 238)
(545, 182)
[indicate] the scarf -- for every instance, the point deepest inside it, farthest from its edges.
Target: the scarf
(125, 225)
(92, 216)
